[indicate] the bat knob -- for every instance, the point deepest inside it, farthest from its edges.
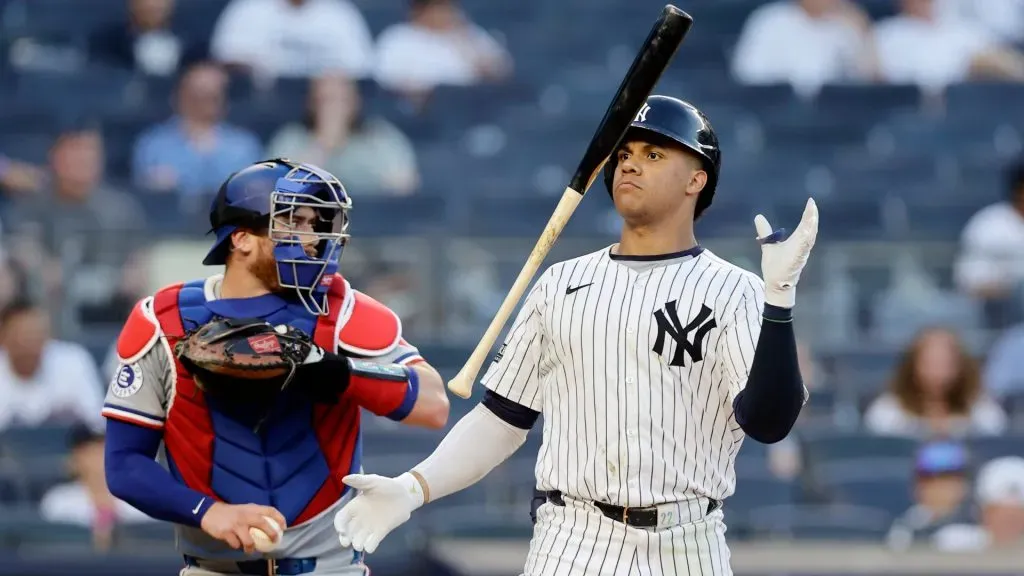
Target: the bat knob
(461, 385)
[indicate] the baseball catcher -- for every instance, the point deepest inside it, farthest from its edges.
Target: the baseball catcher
(248, 385)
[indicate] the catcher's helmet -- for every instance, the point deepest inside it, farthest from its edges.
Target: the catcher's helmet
(682, 123)
(264, 196)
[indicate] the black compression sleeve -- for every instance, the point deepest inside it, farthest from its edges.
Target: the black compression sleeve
(769, 405)
(511, 412)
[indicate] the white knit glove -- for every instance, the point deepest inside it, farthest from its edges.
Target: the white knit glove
(782, 261)
(381, 505)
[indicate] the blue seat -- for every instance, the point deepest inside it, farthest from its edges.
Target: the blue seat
(408, 215)
(898, 317)
(848, 219)
(35, 441)
(196, 19)
(464, 106)
(984, 449)
(30, 147)
(752, 459)
(821, 522)
(973, 98)
(40, 473)
(61, 15)
(754, 493)
(874, 99)
(825, 447)
(97, 90)
(877, 482)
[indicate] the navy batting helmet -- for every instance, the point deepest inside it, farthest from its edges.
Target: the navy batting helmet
(682, 123)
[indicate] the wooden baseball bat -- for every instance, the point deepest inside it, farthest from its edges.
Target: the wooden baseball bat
(650, 63)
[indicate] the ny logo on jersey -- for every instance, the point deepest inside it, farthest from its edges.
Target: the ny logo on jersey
(641, 116)
(669, 324)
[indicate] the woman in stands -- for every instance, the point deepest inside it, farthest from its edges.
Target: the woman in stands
(369, 152)
(935, 392)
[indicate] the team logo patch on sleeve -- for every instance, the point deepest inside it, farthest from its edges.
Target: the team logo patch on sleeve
(127, 380)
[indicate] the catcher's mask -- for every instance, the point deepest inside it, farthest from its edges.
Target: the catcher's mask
(271, 195)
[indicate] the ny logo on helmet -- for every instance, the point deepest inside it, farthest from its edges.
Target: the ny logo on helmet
(641, 116)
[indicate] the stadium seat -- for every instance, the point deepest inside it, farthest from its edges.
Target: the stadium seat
(196, 19)
(875, 482)
(984, 98)
(34, 441)
(34, 16)
(753, 493)
(752, 459)
(821, 522)
(987, 448)
(874, 101)
(830, 446)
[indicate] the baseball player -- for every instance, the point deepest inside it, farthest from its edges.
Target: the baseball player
(238, 454)
(650, 360)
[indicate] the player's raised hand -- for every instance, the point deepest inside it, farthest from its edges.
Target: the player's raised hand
(783, 259)
(381, 505)
(230, 523)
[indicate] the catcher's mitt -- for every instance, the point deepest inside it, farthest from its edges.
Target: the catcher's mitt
(246, 349)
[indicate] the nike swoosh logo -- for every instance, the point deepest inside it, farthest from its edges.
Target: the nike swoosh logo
(198, 506)
(571, 289)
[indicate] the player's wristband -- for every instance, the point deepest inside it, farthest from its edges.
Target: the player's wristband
(777, 313)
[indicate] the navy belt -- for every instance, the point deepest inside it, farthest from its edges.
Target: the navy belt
(273, 567)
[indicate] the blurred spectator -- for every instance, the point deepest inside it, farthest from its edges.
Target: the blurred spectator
(940, 494)
(145, 42)
(19, 177)
(294, 38)
(86, 501)
(999, 491)
(935, 392)
(991, 261)
(918, 47)
(368, 154)
(193, 151)
(1004, 365)
(439, 45)
(78, 233)
(1004, 18)
(43, 380)
(806, 43)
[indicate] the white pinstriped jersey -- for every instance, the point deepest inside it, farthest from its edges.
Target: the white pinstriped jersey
(634, 363)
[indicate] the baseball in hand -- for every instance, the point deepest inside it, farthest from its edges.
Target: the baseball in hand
(263, 542)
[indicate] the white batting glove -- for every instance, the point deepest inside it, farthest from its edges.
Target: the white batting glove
(381, 505)
(783, 261)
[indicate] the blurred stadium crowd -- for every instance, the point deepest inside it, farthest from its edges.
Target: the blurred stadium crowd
(454, 127)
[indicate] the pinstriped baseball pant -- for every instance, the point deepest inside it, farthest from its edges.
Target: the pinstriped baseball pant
(577, 539)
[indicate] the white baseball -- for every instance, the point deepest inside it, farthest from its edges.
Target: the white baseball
(262, 541)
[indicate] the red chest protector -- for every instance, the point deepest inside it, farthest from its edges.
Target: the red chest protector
(356, 324)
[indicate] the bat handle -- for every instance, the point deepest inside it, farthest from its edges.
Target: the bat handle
(462, 384)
